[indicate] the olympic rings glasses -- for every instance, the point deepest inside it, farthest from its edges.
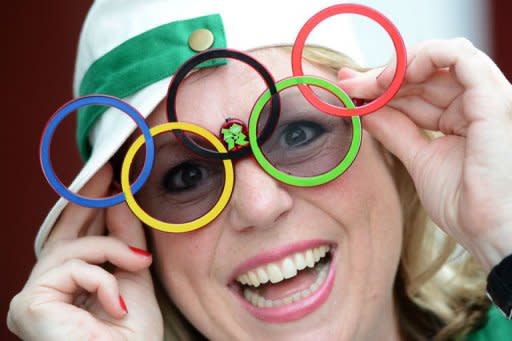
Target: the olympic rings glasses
(187, 183)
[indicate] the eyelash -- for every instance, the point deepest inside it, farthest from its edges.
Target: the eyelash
(179, 169)
(175, 171)
(317, 128)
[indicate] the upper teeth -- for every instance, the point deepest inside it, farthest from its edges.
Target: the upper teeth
(284, 269)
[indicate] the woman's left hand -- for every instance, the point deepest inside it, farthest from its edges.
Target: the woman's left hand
(464, 178)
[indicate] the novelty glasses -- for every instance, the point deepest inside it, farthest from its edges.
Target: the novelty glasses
(177, 177)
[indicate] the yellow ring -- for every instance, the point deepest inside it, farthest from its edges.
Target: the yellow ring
(199, 222)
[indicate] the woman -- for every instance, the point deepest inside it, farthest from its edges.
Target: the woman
(354, 259)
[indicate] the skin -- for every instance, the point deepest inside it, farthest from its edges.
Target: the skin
(264, 214)
(463, 179)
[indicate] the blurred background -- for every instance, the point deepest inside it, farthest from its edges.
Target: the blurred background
(40, 39)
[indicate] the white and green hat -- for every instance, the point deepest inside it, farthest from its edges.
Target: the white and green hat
(131, 48)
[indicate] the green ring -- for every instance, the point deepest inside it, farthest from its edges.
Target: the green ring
(299, 180)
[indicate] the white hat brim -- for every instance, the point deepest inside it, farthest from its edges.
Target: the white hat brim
(145, 101)
(130, 21)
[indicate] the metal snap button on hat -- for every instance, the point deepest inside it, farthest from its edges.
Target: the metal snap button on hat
(200, 40)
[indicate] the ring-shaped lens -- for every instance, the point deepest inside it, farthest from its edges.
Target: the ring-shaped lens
(401, 59)
(56, 119)
(199, 222)
(231, 54)
(300, 180)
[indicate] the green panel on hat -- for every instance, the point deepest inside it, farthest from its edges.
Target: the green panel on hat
(139, 62)
(495, 327)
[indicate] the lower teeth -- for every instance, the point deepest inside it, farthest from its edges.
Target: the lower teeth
(259, 301)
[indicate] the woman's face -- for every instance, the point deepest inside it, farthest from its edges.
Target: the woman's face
(274, 230)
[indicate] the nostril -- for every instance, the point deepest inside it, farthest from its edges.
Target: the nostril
(258, 199)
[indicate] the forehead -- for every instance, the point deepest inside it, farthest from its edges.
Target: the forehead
(208, 96)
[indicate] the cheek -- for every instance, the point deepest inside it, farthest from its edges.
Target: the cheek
(183, 263)
(366, 189)
(174, 255)
(366, 204)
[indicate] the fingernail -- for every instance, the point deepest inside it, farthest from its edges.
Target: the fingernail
(139, 252)
(122, 304)
(342, 74)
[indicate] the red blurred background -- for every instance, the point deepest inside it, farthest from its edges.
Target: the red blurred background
(40, 39)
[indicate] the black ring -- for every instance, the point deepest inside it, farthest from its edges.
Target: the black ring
(214, 54)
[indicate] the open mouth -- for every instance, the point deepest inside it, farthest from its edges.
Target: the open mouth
(289, 288)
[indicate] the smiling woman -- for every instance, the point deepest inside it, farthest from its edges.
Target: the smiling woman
(294, 278)
(355, 257)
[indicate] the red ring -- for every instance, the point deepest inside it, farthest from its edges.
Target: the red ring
(401, 59)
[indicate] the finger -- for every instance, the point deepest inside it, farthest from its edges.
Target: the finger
(386, 76)
(362, 85)
(471, 67)
(125, 226)
(421, 112)
(347, 73)
(449, 120)
(487, 91)
(372, 83)
(440, 88)
(92, 249)
(405, 144)
(75, 219)
(425, 103)
(68, 279)
(453, 120)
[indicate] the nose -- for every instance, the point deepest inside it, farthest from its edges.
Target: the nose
(258, 200)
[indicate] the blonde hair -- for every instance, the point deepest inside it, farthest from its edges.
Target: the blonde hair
(439, 289)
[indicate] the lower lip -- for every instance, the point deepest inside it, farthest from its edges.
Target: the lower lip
(294, 311)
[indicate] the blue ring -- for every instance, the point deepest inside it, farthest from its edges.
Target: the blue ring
(62, 113)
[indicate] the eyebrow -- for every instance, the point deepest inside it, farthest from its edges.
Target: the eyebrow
(287, 97)
(169, 142)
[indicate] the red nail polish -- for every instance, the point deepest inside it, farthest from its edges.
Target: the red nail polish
(140, 252)
(122, 304)
(358, 101)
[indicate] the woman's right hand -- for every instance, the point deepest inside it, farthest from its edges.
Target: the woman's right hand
(70, 296)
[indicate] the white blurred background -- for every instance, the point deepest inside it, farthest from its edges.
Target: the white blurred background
(419, 20)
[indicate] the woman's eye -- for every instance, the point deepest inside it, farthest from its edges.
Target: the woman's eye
(301, 133)
(184, 177)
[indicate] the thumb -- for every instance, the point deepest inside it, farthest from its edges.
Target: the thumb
(397, 133)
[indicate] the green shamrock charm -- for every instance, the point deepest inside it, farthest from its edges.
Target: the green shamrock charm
(234, 136)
